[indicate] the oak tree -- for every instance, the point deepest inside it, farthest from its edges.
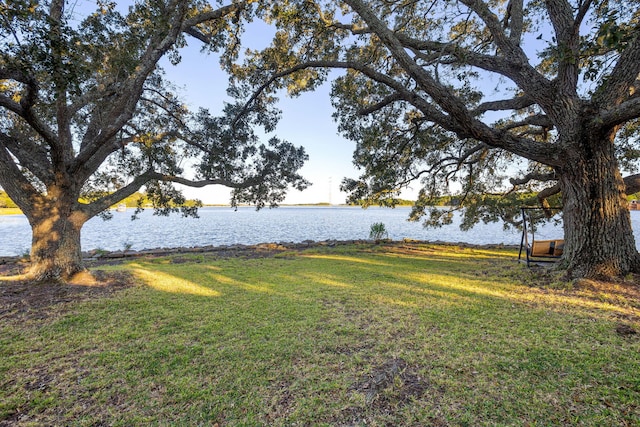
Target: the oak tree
(88, 117)
(494, 95)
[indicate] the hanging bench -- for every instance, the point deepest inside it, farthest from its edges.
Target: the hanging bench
(537, 251)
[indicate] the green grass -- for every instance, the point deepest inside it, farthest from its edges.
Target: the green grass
(10, 211)
(370, 335)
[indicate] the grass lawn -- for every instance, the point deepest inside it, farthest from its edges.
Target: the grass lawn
(376, 335)
(10, 211)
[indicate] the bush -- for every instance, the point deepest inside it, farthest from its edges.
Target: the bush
(378, 231)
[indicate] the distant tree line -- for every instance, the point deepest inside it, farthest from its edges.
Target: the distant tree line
(135, 200)
(5, 201)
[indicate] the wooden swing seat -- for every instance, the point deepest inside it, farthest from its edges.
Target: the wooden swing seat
(538, 251)
(547, 248)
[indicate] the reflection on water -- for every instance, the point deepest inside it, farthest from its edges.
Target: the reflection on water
(223, 226)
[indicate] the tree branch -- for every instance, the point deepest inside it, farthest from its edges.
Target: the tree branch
(459, 119)
(632, 184)
(31, 96)
(94, 208)
(462, 56)
(92, 96)
(105, 202)
(522, 73)
(213, 15)
(441, 94)
(62, 146)
(533, 176)
(205, 182)
(515, 22)
(199, 35)
(379, 105)
(30, 155)
(582, 12)
(535, 120)
(124, 106)
(620, 114)
(15, 184)
(462, 157)
(568, 40)
(468, 128)
(615, 89)
(545, 194)
(506, 104)
(24, 107)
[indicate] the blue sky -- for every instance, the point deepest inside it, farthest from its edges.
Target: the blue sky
(306, 120)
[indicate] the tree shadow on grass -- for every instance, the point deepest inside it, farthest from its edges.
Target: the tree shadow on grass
(21, 298)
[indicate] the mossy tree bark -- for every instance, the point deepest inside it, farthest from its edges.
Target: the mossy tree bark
(597, 224)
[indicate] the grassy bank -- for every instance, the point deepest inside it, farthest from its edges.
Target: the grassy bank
(10, 211)
(410, 335)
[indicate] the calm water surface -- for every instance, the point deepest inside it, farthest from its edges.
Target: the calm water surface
(224, 226)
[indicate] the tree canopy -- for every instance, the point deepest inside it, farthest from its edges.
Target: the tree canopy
(88, 116)
(492, 96)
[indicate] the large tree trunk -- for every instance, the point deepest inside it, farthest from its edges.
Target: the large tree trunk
(55, 246)
(599, 241)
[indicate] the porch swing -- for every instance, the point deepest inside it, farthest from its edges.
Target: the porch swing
(537, 251)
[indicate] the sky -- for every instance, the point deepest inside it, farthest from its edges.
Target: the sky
(306, 121)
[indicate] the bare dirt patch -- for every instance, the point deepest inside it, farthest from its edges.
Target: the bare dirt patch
(386, 388)
(25, 299)
(396, 375)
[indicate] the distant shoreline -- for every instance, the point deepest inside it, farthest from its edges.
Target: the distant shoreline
(405, 203)
(17, 211)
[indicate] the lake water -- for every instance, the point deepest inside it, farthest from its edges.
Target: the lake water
(224, 226)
